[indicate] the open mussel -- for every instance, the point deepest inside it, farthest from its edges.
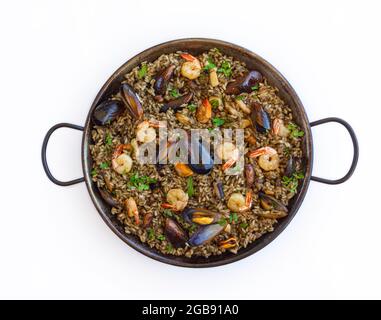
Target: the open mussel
(244, 83)
(270, 203)
(131, 101)
(219, 190)
(205, 234)
(107, 111)
(292, 166)
(260, 118)
(174, 233)
(162, 79)
(108, 198)
(200, 216)
(178, 103)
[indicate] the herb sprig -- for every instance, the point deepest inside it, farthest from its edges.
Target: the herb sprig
(294, 130)
(225, 69)
(140, 182)
(217, 122)
(174, 93)
(190, 187)
(142, 71)
(292, 182)
(209, 65)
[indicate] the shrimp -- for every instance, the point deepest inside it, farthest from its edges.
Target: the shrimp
(132, 209)
(227, 151)
(204, 112)
(145, 131)
(279, 128)
(268, 158)
(177, 200)
(191, 68)
(121, 162)
(238, 203)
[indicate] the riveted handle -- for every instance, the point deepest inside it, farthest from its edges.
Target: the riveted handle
(43, 154)
(355, 150)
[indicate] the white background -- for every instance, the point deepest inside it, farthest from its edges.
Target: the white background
(55, 56)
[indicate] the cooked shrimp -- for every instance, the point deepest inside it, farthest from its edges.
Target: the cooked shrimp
(204, 112)
(145, 131)
(121, 162)
(279, 128)
(268, 158)
(228, 152)
(238, 203)
(191, 68)
(132, 209)
(177, 200)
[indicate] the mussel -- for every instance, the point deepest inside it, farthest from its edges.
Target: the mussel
(249, 175)
(147, 220)
(260, 118)
(204, 162)
(244, 83)
(131, 100)
(219, 190)
(178, 103)
(107, 111)
(292, 166)
(162, 80)
(200, 216)
(205, 234)
(174, 233)
(270, 203)
(108, 198)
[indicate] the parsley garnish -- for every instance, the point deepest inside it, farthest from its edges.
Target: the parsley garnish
(233, 217)
(255, 88)
(241, 97)
(244, 225)
(192, 107)
(169, 247)
(94, 172)
(174, 93)
(215, 103)
(142, 71)
(295, 132)
(151, 234)
(108, 139)
(225, 69)
(104, 165)
(140, 183)
(168, 213)
(222, 222)
(192, 228)
(161, 237)
(209, 65)
(190, 188)
(292, 182)
(217, 122)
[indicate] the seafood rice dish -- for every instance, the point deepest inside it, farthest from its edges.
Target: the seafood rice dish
(240, 184)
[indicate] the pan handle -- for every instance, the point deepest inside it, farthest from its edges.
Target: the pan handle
(355, 150)
(43, 154)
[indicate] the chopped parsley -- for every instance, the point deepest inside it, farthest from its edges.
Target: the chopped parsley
(233, 217)
(104, 165)
(222, 222)
(209, 65)
(151, 234)
(292, 182)
(217, 122)
(108, 139)
(140, 182)
(240, 97)
(192, 107)
(190, 187)
(142, 71)
(174, 93)
(168, 213)
(169, 248)
(294, 129)
(94, 172)
(192, 228)
(215, 103)
(161, 237)
(225, 69)
(255, 88)
(244, 225)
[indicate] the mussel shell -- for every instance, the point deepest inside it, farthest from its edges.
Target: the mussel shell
(162, 80)
(108, 198)
(260, 117)
(178, 103)
(293, 165)
(200, 216)
(270, 203)
(174, 233)
(205, 162)
(131, 101)
(107, 111)
(244, 83)
(249, 175)
(219, 190)
(205, 234)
